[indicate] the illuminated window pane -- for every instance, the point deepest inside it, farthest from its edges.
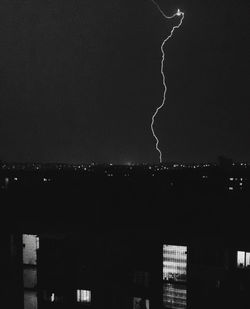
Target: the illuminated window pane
(83, 296)
(248, 259)
(30, 300)
(78, 295)
(174, 263)
(29, 278)
(52, 297)
(174, 296)
(241, 259)
(140, 303)
(30, 245)
(37, 242)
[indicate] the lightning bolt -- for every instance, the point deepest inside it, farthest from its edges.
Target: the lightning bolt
(178, 13)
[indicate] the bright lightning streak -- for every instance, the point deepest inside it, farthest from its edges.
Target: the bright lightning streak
(178, 13)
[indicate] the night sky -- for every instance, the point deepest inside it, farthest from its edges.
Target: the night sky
(80, 81)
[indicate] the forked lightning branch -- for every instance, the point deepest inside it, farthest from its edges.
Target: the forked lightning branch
(178, 13)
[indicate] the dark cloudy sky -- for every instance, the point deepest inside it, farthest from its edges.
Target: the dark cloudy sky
(80, 80)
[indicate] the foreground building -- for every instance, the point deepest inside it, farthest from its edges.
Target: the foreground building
(175, 239)
(133, 269)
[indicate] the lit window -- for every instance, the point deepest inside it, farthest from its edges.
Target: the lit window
(174, 263)
(174, 296)
(243, 259)
(140, 303)
(83, 296)
(30, 247)
(52, 297)
(29, 278)
(247, 259)
(30, 300)
(174, 277)
(37, 243)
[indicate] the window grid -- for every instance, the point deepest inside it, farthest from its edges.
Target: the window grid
(83, 296)
(174, 263)
(243, 259)
(174, 277)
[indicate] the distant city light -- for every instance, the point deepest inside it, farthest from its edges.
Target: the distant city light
(128, 163)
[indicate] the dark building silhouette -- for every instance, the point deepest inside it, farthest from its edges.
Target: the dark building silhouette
(178, 239)
(106, 271)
